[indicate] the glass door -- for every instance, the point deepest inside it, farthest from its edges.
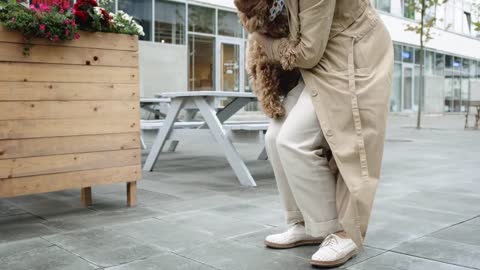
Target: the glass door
(407, 87)
(230, 75)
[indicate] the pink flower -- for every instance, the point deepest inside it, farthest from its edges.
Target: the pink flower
(55, 39)
(67, 21)
(44, 8)
(67, 31)
(42, 27)
(76, 36)
(61, 11)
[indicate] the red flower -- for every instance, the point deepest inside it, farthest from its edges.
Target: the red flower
(82, 16)
(76, 36)
(42, 27)
(55, 39)
(67, 31)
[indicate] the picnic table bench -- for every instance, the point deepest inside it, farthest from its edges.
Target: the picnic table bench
(215, 126)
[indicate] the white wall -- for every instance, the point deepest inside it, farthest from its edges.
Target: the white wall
(163, 68)
(442, 40)
(434, 94)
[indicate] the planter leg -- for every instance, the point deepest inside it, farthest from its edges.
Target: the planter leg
(131, 193)
(86, 193)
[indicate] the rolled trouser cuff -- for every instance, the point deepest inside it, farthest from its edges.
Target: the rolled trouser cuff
(322, 229)
(293, 217)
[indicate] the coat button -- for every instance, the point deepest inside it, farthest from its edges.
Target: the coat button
(329, 133)
(314, 93)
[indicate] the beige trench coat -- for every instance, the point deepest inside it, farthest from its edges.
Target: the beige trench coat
(346, 58)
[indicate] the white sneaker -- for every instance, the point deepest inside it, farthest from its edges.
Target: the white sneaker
(334, 251)
(293, 237)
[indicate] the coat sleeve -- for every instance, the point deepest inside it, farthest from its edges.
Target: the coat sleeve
(315, 18)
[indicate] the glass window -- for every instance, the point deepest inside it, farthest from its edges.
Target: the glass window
(398, 52)
(448, 61)
(407, 54)
(457, 63)
(473, 69)
(201, 19)
(228, 24)
(141, 11)
(169, 22)
(429, 62)
(478, 69)
(201, 63)
(439, 64)
(417, 56)
(396, 97)
(383, 5)
(466, 67)
(409, 9)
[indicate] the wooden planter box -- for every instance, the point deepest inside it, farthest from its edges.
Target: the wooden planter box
(69, 114)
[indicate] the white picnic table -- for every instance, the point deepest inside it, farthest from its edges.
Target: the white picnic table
(214, 124)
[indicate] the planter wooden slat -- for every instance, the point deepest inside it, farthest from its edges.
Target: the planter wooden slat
(11, 168)
(69, 114)
(10, 149)
(25, 91)
(18, 110)
(55, 182)
(13, 52)
(87, 40)
(26, 72)
(22, 129)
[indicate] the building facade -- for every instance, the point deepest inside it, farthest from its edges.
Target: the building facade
(200, 45)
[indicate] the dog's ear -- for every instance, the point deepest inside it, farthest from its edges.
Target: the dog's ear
(251, 24)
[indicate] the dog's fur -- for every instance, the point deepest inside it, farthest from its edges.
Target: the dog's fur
(269, 80)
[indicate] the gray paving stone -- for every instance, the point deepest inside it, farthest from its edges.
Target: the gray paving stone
(394, 261)
(163, 262)
(252, 213)
(213, 224)
(464, 233)
(51, 258)
(18, 247)
(196, 204)
(394, 223)
(103, 218)
(103, 247)
(165, 235)
(19, 227)
(108, 201)
(444, 251)
(48, 208)
(234, 255)
(9, 209)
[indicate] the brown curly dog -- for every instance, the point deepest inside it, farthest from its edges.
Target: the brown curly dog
(269, 80)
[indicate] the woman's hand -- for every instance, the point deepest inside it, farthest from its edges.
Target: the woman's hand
(264, 41)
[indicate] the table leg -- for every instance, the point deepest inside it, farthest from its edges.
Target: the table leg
(163, 133)
(263, 155)
(86, 194)
(221, 137)
(232, 108)
(132, 193)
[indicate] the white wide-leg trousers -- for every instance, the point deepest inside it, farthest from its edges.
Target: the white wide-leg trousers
(294, 145)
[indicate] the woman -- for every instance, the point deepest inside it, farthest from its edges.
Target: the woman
(341, 103)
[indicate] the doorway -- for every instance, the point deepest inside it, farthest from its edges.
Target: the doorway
(230, 66)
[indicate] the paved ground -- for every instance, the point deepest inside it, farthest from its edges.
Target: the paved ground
(194, 215)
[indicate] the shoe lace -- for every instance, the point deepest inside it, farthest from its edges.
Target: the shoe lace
(330, 240)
